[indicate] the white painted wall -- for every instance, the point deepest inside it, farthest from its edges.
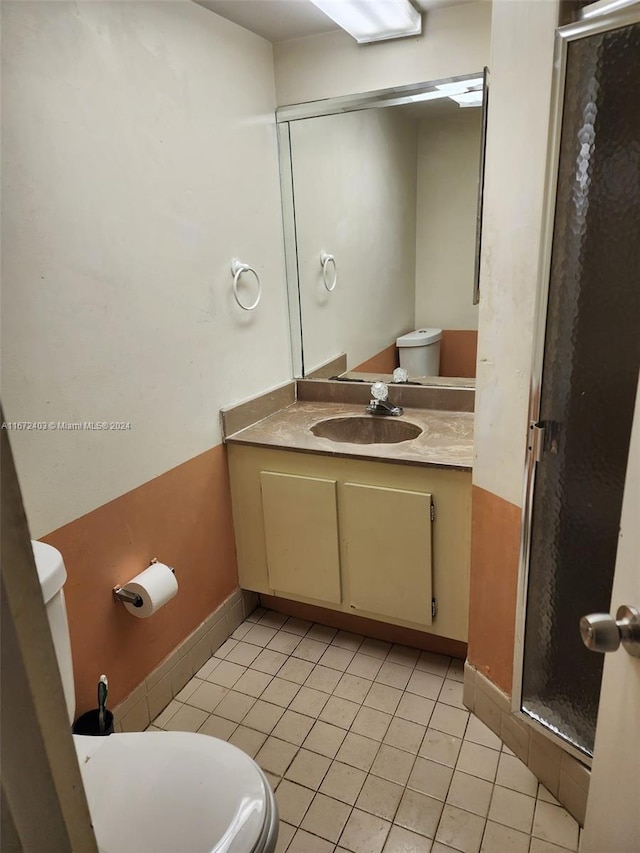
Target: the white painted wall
(139, 157)
(354, 177)
(455, 41)
(519, 108)
(447, 197)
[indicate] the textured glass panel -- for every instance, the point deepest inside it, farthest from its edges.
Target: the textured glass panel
(591, 359)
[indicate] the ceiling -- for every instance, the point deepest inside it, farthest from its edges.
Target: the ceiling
(280, 20)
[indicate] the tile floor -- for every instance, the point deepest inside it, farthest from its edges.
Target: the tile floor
(367, 745)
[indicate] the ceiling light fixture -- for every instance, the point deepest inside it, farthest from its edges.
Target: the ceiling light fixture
(373, 20)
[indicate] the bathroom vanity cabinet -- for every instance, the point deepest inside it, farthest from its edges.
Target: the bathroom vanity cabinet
(383, 540)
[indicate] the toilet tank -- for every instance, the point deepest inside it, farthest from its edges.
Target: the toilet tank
(419, 352)
(52, 576)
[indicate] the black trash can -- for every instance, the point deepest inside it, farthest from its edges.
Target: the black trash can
(89, 724)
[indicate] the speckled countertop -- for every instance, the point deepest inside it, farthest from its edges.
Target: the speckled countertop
(446, 439)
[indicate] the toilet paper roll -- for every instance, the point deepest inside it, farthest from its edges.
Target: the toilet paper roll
(156, 585)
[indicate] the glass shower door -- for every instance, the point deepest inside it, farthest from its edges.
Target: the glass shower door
(589, 378)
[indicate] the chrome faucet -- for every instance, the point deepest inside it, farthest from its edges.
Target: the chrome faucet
(379, 404)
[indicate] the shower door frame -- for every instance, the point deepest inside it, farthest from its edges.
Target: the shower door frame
(564, 36)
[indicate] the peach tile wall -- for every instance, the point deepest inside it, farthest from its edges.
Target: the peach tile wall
(458, 350)
(495, 543)
(385, 361)
(182, 517)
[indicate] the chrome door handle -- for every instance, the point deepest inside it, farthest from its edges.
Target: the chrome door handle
(602, 633)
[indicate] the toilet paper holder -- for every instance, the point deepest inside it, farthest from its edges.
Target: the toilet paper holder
(121, 594)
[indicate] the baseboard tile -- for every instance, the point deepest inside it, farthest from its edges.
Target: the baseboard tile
(566, 778)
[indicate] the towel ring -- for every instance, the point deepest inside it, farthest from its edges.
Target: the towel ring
(325, 260)
(237, 269)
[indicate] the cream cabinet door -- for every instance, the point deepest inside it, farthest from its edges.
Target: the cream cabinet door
(386, 551)
(301, 535)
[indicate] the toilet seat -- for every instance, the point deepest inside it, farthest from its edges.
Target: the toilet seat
(175, 792)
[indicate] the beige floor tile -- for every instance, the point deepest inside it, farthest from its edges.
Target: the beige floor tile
(380, 797)
(296, 626)
(394, 675)
(322, 633)
(293, 801)
(404, 735)
(431, 662)
(478, 761)
(225, 648)
(308, 769)
(404, 655)
(269, 661)
(263, 717)
(546, 796)
(339, 712)
(256, 614)
(207, 695)
(337, 658)
(440, 747)
(235, 706)
(479, 733)
(499, 839)
(456, 670)
(296, 670)
(285, 834)
(347, 640)
(438, 847)
(383, 698)
(243, 654)
(375, 648)
(325, 739)
(343, 782)
(207, 668)
(419, 813)
(226, 674)
(252, 683)
(364, 666)
(452, 721)
(322, 678)
(430, 778)
(283, 642)
(540, 846)
(371, 723)
(358, 751)
(401, 840)
(241, 630)
(461, 830)
(512, 773)
(273, 619)
(470, 793)
(309, 701)
(280, 692)
(162, 719)
(310, 650)
(293, 727)
(189, 689)
(352, 687)
(218, 727)
(512, 809)
(276, 755)
(416, 709)
(186, 719)
(425, 684)
(248, 740)
(555, 824)
(326, 817)
(259, 635)
(393, 764)
(304, 842)
(451, 694)
(364, 833)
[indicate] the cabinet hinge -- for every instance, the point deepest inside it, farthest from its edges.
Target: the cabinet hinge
(432, 512)
(536, 439)
(434, 608)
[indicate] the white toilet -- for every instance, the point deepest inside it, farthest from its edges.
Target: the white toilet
(160, 792)
(419, 352)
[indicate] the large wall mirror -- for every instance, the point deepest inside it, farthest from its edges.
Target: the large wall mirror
(380, 200)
